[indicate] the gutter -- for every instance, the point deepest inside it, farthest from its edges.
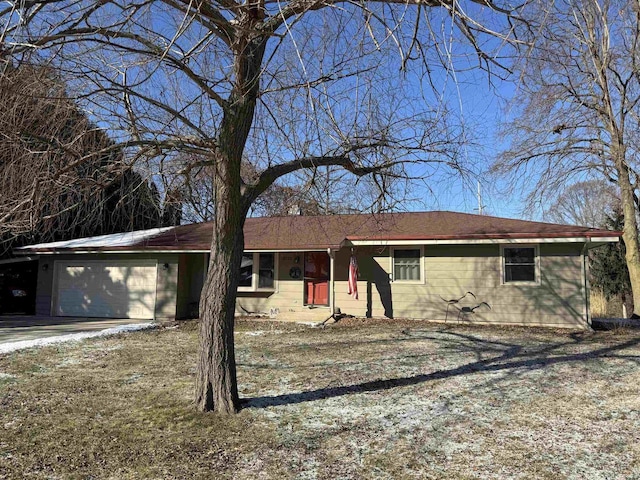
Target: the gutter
(18, 260)
(480, 241)
(584, 257)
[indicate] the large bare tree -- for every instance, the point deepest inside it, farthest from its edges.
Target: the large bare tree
(288, 84)
(577, 114)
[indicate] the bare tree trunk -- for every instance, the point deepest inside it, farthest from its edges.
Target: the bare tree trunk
(216, 383)
(630, 232)
(216, 386)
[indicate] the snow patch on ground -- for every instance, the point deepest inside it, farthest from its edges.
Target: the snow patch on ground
(257, 333)
(73, 337)
(6, 376)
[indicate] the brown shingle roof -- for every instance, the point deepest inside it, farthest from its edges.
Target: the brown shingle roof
(320, 232)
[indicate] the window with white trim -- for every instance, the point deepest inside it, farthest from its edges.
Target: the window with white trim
(407, 265)
(260, 278)
(520, 264)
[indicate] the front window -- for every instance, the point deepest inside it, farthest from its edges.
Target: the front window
(519, 264)
(257, 271)
(266, 271)
(246, 270)
(406, 264)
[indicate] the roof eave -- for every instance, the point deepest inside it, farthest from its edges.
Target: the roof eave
(489, 239)
(166, 250)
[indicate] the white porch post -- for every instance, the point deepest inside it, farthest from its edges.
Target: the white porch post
(332, 283)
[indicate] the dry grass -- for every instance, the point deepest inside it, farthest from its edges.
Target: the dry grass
(363, 400)
(603, 307)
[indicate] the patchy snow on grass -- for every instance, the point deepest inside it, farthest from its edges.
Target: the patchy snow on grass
(445, 404)
(384, 401)
(258, 333)
(73, 337)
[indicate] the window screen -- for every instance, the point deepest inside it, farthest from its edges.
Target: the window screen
(406, 264)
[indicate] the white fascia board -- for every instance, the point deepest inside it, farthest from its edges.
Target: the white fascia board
(286, 250)
(18, 260)
(110, 252)
(482, 241)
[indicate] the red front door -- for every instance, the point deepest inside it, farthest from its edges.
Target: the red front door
(316, 278)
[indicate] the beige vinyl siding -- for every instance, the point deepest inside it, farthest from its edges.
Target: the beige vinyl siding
(450, 271)
(44, 286)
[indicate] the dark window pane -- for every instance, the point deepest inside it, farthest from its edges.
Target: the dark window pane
(266, 260)
(246, 270)
(519, 255)
(265, 273)
(520, 273)
(407, 254)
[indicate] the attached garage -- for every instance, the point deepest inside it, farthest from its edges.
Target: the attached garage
(105, 289)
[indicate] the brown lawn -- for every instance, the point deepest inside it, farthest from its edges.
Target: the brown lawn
(358, 400)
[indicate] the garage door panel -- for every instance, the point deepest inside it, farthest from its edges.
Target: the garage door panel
(106, 289)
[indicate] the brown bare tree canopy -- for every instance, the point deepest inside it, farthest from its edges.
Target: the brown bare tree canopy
(59, 175)
(588, 203)
(578, 110)
(289, 85)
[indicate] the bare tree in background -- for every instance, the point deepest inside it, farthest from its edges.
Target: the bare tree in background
(60, 177)
(196, 194)
(579, 106)
(588, 203)
(313, 191)
(290, 85)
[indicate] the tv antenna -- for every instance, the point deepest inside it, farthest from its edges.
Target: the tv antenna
(480, 205)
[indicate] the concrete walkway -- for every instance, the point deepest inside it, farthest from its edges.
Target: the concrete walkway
(21, 328)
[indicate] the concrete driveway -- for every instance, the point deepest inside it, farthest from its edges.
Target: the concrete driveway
(21, 328)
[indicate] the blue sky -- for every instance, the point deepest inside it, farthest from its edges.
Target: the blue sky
(482, 107)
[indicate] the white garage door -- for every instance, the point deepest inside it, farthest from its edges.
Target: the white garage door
(125, 289)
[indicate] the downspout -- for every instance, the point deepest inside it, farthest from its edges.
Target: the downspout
(332, 290)
(585, 281)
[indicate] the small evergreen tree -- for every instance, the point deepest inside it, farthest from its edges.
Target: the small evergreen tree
(608, 265)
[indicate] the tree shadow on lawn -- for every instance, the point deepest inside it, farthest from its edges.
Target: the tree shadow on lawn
(510, 357)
